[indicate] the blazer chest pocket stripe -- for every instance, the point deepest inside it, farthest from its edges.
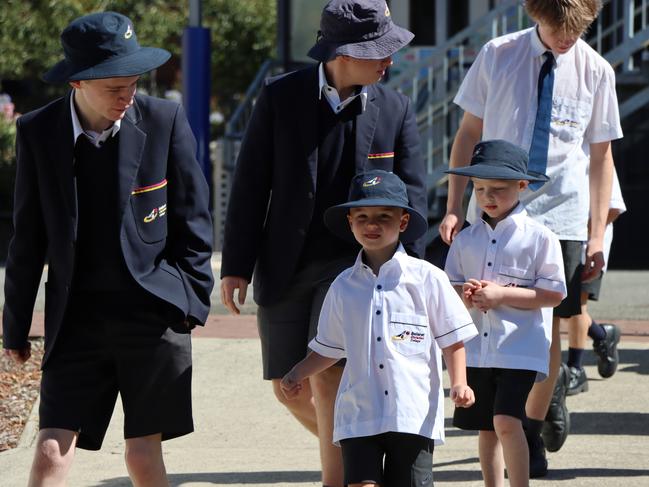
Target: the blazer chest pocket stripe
(149, 206)
(382, 155)
(152, 187)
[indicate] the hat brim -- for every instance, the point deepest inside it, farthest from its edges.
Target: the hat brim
(484, 171)
(380, 48)
(335, 219)
(141, 61)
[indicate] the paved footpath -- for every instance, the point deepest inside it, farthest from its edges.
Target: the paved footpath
(245, 438)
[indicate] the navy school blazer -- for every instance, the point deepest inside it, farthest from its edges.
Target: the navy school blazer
(273, 190)
(169, 256)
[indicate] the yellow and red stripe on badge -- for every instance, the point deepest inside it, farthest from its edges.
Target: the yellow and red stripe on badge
(153, 187)
(382, 155)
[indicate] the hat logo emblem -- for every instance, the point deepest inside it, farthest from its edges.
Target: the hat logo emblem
(387, 11)
(129, 32)
(372, 182)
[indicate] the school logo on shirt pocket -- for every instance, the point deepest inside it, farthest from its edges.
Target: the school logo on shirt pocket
(409, 333)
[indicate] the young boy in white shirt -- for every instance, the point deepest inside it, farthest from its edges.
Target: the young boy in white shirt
(546, 90)
(509, 270)
(388, 315)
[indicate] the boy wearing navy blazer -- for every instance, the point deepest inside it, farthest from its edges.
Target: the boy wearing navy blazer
(109, 193)
(311, 131)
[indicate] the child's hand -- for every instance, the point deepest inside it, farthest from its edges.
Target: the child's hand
(468, 288)
(490, 295)
(290, 386)
(462, 395)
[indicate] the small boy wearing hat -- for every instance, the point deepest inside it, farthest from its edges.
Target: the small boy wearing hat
(509, 270)
(388, 315)
(109, 192)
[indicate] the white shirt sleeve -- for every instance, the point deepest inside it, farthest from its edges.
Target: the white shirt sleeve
(617, 201)
(549, 265)
(472, 95)
(330, 339)
(604, 122)
(453, 266)
(449, 319)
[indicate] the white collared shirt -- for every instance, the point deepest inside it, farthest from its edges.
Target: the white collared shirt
(97, 139)
(501, 89)
(518, 252)
(390, 328)
(333, 97)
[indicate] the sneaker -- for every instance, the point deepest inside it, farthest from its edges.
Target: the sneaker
(557, 421)
(606, 351)
(538, 462)
(578, 381)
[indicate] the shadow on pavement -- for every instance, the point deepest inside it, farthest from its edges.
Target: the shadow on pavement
(226, 478)
(574, 473)
(633, 424)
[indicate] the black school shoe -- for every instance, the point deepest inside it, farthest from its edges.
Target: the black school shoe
(606, 350)
(538, 462)
(557, 421)
(578, 381)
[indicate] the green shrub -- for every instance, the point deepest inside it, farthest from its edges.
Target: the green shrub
(7, 142)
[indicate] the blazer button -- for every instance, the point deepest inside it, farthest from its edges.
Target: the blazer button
(302, 231)
(309, 195)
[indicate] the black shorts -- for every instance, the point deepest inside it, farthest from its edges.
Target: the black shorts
(497, 391)
(572, 252)
(287, 327)
(101, 352)
(389, 459)
(592, 288)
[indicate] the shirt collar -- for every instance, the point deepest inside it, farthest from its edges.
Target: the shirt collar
(538, 48)
(516, 216)
(332, 95)
(94, 137)
(395, 263)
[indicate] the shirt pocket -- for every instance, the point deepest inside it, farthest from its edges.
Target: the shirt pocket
(569, 118)
(515, 277)
(409, 333)
(149, 206)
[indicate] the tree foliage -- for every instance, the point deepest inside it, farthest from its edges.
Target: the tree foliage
(242, 33)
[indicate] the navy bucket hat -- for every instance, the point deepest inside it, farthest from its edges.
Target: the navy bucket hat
(362, 29)
(103, 45)
(375, 188)
(498, 159)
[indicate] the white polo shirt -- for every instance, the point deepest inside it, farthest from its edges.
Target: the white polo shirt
(391, 329)
(501, 89)
(518, 252)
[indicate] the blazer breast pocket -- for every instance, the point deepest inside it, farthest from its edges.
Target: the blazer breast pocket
(149, 206)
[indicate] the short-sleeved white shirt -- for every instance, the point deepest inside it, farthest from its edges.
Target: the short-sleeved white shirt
(617, 203)
(518, 252)
(391, 329)
(501, 89)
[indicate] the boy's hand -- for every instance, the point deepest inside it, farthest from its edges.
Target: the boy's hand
(462, 395)
(20, 356)
(489, 296)
(290, 386)
(468, 288)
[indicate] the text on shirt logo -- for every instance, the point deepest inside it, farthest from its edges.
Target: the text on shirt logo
(408, 336)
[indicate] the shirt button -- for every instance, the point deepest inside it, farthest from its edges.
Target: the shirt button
(485, 333)
(488, 264)
(379, 287)
(380, 366)
(493, 240)
(386, 392)
(378, 339)
(378, 311)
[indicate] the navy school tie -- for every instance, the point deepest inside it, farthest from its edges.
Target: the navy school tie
(541, 135)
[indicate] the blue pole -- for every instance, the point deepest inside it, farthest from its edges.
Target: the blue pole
(196, 92)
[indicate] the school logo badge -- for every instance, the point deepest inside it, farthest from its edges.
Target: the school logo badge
(409, 336)
(401, 337)
(387, 11)
(129, 32)
(160, 211)
(372, 182)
